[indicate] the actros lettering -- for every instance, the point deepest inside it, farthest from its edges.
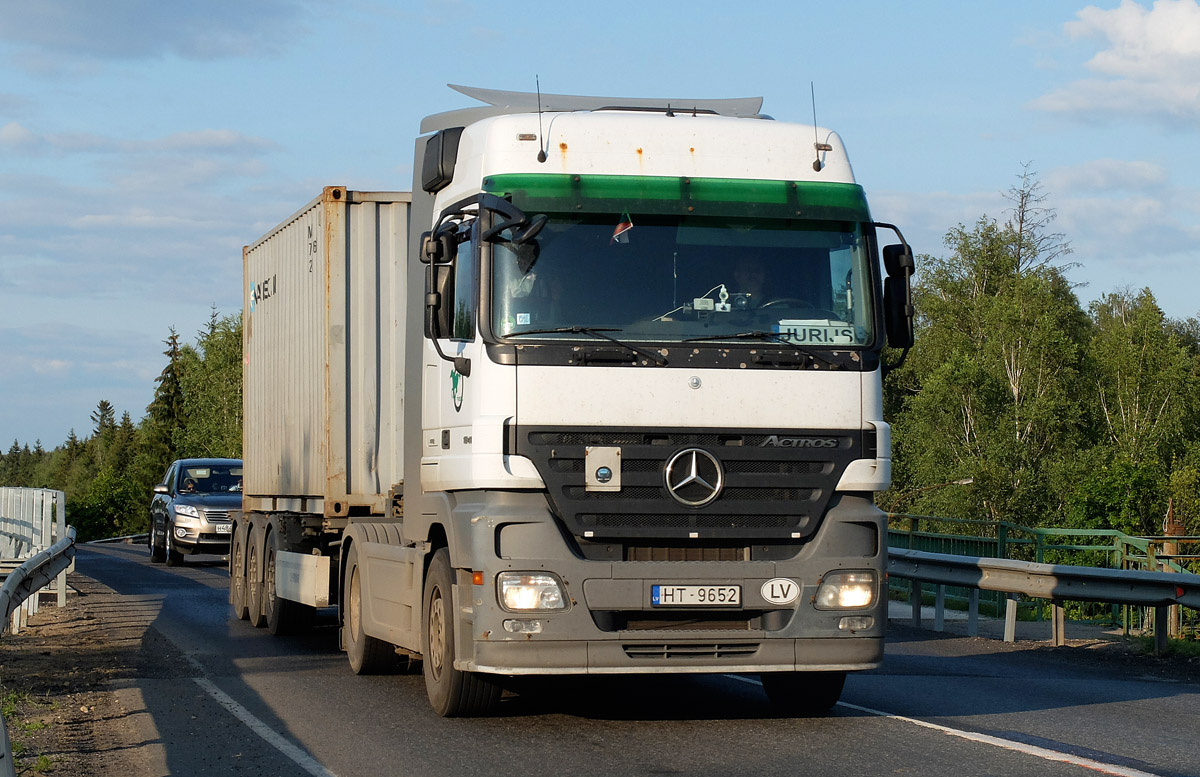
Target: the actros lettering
(775, 441)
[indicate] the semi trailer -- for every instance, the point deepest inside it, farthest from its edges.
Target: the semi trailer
(602, 394)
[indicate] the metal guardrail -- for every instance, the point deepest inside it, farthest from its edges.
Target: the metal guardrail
(22, 584)
(1054, 582)
(31, 520)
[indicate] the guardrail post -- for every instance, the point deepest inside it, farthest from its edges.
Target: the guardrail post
(1058, 624)
(973, 613)
(1010, 619)
(1161, 613)
(939, 609)
(914, 598)
(60, 512)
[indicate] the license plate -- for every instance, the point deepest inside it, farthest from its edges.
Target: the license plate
(663, 595)
(223, 528)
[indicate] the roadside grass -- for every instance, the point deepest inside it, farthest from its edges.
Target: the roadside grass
(25, 716)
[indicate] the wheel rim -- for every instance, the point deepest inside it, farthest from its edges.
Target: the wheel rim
(353, 613)
(437, 634)
(252, 575)
(235, 576)
(269, 582)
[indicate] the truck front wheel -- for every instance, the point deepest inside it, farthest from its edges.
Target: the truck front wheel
(803, 693)
(452, 693)
(367, 654)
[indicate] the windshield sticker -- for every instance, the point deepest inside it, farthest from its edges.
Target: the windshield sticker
(522, 319)
(621, 233)
(806, 333)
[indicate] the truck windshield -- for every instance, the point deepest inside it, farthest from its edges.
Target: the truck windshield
(670, 277)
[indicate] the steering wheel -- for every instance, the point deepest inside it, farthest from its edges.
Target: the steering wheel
(791, 302)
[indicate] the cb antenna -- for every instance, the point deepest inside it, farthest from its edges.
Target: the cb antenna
(817, 144)
(541, 157)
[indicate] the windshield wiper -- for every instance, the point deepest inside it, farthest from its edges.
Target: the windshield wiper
(657, 358)
(759, 334)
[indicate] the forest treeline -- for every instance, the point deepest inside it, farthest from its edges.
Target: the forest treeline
(1016, 403)
(109, 474)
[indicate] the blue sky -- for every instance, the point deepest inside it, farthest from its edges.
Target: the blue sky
(143, 143)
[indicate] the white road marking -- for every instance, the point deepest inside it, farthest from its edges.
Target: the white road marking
(298, 756)
(1007, 744)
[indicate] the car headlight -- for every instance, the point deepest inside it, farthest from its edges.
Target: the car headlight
(530, 592)
(846, 591)
(189, 511)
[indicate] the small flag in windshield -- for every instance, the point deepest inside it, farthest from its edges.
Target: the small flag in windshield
(621, 233)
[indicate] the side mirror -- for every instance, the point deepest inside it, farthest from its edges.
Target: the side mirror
(898, 312)
(531, 229)
(898, 260)
(161, 488)
(439, 248)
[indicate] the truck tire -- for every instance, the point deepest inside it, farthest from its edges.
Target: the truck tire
(367, 654)
(803, 693)
(174, 557)
(452, 693)
(157, 554)
(283, 616)
(237, 573)
(254, 589)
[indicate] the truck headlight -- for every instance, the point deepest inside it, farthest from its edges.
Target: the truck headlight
(187, 510)
(530, 592)
(846, 591)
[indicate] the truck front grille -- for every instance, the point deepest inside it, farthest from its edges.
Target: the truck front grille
(771, 491)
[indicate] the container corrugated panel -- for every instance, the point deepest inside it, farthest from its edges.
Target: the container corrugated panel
(324, 353)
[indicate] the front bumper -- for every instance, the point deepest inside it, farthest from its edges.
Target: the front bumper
(612, 626)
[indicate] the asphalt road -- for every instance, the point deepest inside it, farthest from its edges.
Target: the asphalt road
(246, 703)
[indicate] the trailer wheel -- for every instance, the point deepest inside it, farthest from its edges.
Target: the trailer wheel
(367, 654)
(283, 615)
(452, 693)
(803, 693)
(237, 573)
(254, 589)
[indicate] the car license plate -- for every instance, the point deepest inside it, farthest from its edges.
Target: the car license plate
(223, 528)
(663, 595)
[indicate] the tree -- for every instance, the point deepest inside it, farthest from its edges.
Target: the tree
(211, 380)
(989, 390)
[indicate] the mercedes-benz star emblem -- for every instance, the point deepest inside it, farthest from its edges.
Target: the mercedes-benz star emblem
(694, 477)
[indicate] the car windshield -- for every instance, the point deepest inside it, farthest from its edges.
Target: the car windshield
(656, 276)
(210, 479)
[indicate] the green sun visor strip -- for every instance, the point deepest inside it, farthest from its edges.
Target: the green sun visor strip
(654, 195)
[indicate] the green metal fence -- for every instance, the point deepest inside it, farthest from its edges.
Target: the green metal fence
(1102, 548)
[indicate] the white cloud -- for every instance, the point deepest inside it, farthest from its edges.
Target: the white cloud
(1149, 65)
(60, 35)
(1113, 175)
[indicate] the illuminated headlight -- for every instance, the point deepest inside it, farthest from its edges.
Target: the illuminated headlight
(187, 510)
(529, 592)
(846, 591)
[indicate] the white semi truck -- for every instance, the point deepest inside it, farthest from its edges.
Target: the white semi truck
(602, 394)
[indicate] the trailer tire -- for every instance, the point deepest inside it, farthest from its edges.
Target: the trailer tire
(803, 693)
(237, 573)
(283, 616)
(253, 579)
(367, 654)
(452, 692)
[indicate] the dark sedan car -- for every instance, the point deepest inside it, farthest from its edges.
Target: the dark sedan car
(192, 508)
